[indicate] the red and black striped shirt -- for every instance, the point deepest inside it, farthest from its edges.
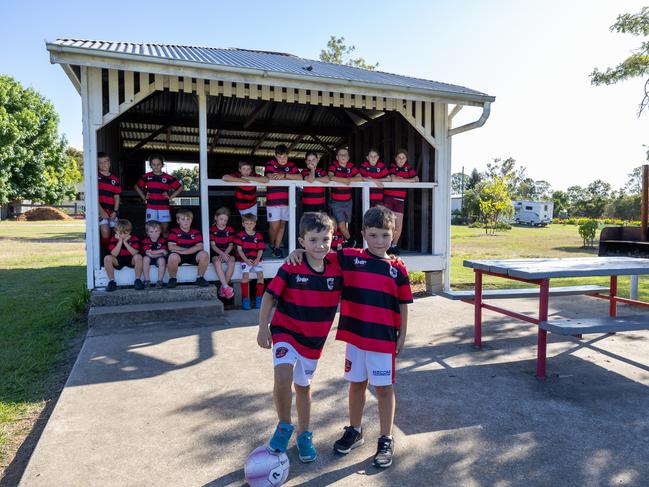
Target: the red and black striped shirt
(133, 241)
(187, 239)
(108, 187)
(250, 244)
(378, 171)
(278, 195)
(222, 237)
(336, 170)
(158, 187)
(307, 302)
(405, 172)
(374, 288)
(315, 194)
(148, 244)
(244, 196)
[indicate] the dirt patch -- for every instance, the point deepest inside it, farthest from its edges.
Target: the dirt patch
(43, 213)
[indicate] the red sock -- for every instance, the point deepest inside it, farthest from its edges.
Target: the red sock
(244, 290)
(260, 289)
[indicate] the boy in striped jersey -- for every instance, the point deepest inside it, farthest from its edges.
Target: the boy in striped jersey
(250, 249)
(124, 251)
(375, 171)
(109, 189)
(186, 247)
(245, 197)
(340, 204)
(313, 196)
(307, 297)
(222, 239)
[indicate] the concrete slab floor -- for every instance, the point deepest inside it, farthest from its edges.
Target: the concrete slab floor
(184, 407)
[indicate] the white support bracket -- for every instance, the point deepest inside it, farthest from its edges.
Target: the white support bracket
(486, 110)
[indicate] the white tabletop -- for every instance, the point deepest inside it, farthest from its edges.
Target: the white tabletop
(570, 267)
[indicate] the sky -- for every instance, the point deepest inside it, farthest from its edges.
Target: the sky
(534, 57)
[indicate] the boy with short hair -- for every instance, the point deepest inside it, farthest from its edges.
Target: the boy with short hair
(313, 196)
(109, 189)
(154, 247)
(376, 171)
(222, 239)
(186, 247)
(307, 299)
(340, 204)
(124, 251)
(373, 321)
(156, 188)
(250, 248)
(277, 197)
(245, 197)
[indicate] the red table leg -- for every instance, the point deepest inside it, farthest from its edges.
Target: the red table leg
(477, 303)
(612, 305)
(542, 334)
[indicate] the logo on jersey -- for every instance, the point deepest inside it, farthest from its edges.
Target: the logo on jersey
(192, 236)
(300, 279)
(280, 352)
(164, 180)
(393, 272)
(330, 283)
(358, 261)
(113, 182)
(348, 365)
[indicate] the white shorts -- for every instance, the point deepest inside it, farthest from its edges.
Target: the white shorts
(361, 365)
(247, 211)
(162, 216)
(303, 368)
(276, 213)
(247, 269)
(111, 222)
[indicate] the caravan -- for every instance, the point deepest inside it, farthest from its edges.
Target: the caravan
(537, 213)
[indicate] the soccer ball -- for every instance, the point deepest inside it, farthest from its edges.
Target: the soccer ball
(266, 469)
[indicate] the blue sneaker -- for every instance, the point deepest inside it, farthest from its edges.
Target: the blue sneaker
(279, 442)
(258, 302)
(245, 303)
(305, 449)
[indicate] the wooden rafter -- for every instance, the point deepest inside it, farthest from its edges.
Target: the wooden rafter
(256, 113)
(147, 139)
(361, 114)
(215, 140)
(296, 142)
(321, 143)
(259, 142)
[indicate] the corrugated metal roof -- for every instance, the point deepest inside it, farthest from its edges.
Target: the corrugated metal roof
(267, 61)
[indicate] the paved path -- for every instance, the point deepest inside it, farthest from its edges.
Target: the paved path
(183, 407)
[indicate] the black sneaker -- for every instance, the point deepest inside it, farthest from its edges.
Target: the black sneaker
(112, 286)
(159, 285)
(138, 285)
(201, 282)
(276, 253)
(171, 283)
(384, 452)
(350, 440)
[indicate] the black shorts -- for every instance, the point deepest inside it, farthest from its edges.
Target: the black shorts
(124, 261)
(314, 208)
(187, 258)
(155, 260)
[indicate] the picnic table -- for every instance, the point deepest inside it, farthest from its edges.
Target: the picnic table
(539, 272)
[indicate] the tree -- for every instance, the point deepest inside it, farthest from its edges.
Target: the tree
(338, 53)
(528, 189)
(189, 177)
(561, 202)
(495, 203)
(77, 155)
(474, 179)
(33, 162)
(637, 64)
(624, 206)
(506, 169)
(634, 183)
(456, 182)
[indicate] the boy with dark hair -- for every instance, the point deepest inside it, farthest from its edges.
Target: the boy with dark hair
(373, 321)
(340, 204)
(307, 299)
(154, 248)
(156, 188)
(245, 197)
(250, 248)
(186, 247)
(277, 197)
(313, 196)
(124, 251)
(109, 189)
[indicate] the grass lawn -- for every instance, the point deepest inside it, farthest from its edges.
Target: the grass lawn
(42, 276)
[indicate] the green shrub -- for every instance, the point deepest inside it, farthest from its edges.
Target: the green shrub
(587, 232)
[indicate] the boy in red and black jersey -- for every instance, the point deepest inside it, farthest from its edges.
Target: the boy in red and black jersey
(314, 196)
(250, 248)
(186, 247)
(340, 203)
(373, 321)
(154, 249)
(109, 189)
(307, 297)
(222, 240)
(124, 251)
(156, 188)
(395, 198)
(277, 197)
(374, 170)
(245, 197)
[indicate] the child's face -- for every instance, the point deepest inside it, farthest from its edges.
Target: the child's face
(281, 158)
(311, 162)
(378, 239)
(104, 164)
(400, 159)
(222, 220)
(156, 166)
(342, 157)
(185, 221)
(249, 225)
(245, 170)
(372, 158)
(153, 233)
(316, 244)
(123, 234)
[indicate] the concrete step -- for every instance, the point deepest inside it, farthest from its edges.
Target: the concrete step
(108, 319)
(121, 297)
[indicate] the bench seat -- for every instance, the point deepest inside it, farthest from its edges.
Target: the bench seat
(578, 326)
(525, 292)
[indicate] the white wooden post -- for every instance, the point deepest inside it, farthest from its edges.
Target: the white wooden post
(366, 205)
(202, 147)
(292, 224)
(91, 108)
(634, 287)
(442, 194)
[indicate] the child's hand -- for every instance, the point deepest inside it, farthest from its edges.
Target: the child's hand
(113, 215)
(264, 338)
(400, 343)
(251, 263)
(295, 257)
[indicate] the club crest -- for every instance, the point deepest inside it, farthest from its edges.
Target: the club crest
(330, 283)
(393, 272)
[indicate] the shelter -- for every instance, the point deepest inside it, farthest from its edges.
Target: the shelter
(213, 106)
